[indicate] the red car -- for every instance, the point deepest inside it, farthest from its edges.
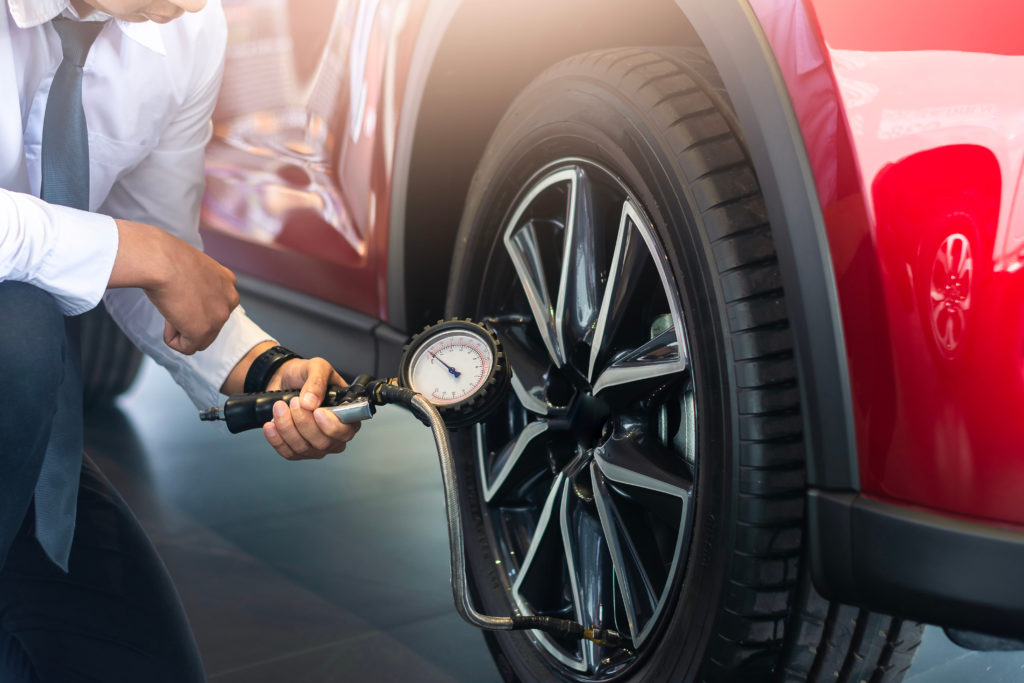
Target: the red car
(756, 266)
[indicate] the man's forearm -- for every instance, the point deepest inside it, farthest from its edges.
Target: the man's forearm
(141, 259)
(193, 292)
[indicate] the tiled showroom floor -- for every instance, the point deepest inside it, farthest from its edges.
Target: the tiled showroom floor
(333, 570)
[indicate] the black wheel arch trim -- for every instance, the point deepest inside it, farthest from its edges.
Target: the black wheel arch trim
(739, 49)
(429, 38)
(916, 563)
(438, 145)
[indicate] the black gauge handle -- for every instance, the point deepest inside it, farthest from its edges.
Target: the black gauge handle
(251, 411)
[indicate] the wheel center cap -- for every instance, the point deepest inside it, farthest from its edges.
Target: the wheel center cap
(588, 419)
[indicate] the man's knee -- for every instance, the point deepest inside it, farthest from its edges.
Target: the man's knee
(32, 339)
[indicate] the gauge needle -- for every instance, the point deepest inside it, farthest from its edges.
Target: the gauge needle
(450, 368)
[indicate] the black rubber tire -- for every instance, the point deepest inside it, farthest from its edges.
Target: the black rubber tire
(110, 361)
(659, 119)
(829, 641)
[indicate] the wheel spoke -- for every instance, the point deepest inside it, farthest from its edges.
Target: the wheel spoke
(500, 475)
(628, 260)
(586, 560)
(544, 527)
(964, 261)
(657, 358)
(525, 252)
(638, 460)
(524, 249)
(639, 593)
(578, 295)
(545, 561)
(635, 247)
(530, 366)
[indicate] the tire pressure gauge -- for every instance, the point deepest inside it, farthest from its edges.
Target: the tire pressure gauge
(459, 366)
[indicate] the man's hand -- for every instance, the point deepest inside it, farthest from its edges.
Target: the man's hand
(304, 430)
(194, 293)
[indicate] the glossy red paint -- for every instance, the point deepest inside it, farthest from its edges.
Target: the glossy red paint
(988, 26)
(299, 194)
(915, 143)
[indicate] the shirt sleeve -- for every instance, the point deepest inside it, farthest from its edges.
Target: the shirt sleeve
(66, 252)
(166, 190)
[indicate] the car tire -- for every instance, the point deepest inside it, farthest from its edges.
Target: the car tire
(647, 472)
(110, 361)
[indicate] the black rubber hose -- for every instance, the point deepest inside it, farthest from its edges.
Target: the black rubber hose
(383, 392)
(359, 385)
(561, 628)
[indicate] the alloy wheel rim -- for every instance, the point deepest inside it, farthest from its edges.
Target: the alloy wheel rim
(588, 473)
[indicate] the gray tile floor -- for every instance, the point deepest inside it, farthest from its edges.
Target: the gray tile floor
(333, 570)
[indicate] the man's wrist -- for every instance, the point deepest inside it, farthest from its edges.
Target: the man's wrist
(263, 367)
(235, 380)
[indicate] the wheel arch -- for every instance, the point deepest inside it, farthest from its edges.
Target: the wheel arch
(736, 43)
(453, 104)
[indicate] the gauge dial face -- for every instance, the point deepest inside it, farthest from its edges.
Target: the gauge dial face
(451, 368)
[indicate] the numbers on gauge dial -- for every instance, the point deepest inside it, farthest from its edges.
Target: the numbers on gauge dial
(452, 368)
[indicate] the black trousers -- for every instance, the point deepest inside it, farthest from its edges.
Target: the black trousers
(115, 616)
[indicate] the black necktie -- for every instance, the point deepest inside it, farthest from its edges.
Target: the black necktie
(65, 181)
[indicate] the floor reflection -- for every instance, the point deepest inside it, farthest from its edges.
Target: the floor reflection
(309, 571)
(333, 570)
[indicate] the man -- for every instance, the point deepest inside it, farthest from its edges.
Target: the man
(104, 115)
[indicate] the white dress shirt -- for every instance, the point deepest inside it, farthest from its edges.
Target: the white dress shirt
(148, 93)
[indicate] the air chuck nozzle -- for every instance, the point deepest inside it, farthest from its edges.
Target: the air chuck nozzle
(603, 636)
(211, 414)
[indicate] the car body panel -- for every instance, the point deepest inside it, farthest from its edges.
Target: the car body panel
(914, 141)
(299, 191)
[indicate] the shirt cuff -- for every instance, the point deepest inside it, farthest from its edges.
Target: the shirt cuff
(76, 268)
(212, 366)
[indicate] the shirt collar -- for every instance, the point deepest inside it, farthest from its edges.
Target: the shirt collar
(145, 33)
(29, 13)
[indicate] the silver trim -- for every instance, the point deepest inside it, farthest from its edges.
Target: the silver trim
(530, 401)
(623, 372)
(558, 489)
(516, 449)
(563, 276)
(604, 507)
(611, 534)
(589, 653)
(529, 269)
